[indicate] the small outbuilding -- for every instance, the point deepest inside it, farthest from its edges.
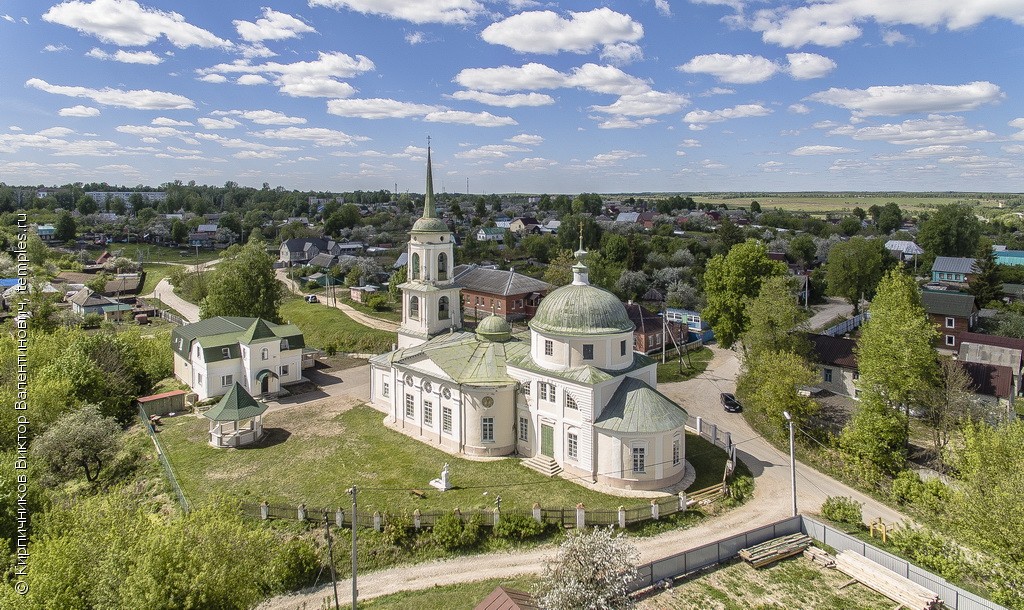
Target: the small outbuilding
(237, 420)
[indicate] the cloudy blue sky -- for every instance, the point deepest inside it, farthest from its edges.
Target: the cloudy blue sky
(517, 95)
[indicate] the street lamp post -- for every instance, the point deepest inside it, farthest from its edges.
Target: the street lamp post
(792, 459)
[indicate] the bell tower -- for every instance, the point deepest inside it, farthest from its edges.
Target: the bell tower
(430, 299)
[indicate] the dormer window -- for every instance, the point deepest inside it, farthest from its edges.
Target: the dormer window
(265, 354)
(284, 345)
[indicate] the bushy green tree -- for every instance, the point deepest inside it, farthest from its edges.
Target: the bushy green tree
(875, 439)
(243, 284)
(731, 282)
(65, 228)
(776, 321)
(80, 442)
(985, 284)
(770, 385)
(952, 230)
(854, 268)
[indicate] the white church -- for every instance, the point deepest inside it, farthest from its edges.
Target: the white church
(572, 396)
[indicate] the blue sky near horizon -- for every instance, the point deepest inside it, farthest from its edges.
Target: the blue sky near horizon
(517, 95)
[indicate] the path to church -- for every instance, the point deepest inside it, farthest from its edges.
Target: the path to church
(700, 396)
(365, 320)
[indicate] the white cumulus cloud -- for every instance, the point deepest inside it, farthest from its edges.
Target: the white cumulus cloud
(480, 119)
(803, 66)
(378, 108)
(79, 111)
(514, 100)
(905, 99)
(140, 99)
(699, 117)
(739, 69)
(272, 26)
(127, 23)
(316, 78)
(805, 151)
(127, 57)
(526, 139)
(549, 33)
(416, 11)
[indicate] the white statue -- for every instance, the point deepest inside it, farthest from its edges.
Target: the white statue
(442, 483)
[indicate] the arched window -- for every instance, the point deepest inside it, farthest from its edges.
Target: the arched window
(414, 267)
(442, 266)
(442, 308)
(414, 308)
(265, 354)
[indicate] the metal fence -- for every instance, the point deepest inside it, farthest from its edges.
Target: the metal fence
(168, 470)
(954, 597)
(170, 317)
(848, 325)
(690, 561)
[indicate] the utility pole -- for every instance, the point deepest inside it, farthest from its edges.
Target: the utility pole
(792, 458)
(330, 555)
(355, 521)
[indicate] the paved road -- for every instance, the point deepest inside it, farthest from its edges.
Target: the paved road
(358, 316)
(700, 396)
(164, 291)
(823, 314)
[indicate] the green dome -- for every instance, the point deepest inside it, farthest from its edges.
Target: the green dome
(430, 225)
(494, 328)
(581, 309)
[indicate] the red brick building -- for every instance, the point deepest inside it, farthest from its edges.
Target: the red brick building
(649, 336)
(953, 314)
(508, 294)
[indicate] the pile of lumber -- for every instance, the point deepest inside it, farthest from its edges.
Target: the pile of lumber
(769, 552)
(890, 584)
(820, 557)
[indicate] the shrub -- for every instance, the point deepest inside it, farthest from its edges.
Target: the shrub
(331, 349)
(518, 527)
(450, 533)
(740, 489)
(92, 320)
(378, 302)
(397, 530)
(931, 551)
(294, 566)
(842, 510)
(908, 488)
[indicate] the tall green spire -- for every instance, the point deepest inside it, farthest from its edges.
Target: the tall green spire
(429, 211)
(430, 222)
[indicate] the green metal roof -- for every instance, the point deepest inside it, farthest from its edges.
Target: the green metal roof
(638, 408)
(219, 332)
(494, 328)
(258, 332)
(521, 358)
(581, 309)
(236, 405)
(463, 357)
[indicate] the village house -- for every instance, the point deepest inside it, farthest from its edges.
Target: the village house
(953, 271)
(836, 360)
(650, 336)
(506, 294)
(212, 354)
(86, 302)
(571, 396)
(996, 350)
(952, 313)
(490, 234)
(524, 225)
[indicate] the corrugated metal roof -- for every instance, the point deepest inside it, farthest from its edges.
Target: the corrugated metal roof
(944, 303)
(989, 354)
(953, 264)
(497, 282)
(836, 351)
(638, 408)
(990, 379)
(507, 599)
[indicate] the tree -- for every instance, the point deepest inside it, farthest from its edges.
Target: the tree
(592, 569)
(397, 279)
(243, 284)
(875, 438)
(952, 230)
(632, 284)
(345, 218)
(849, 226)
(728, 236)
(80, 441)
(770, 385)
(559, 270)
(569, 233)
(854, 268)
(776, 321)
(179, 231)
(730, 282)
(985, 284)
(64, 228)
(860, 213)
(755, 207)
(948, 403)
(890, 218)
(802, 249)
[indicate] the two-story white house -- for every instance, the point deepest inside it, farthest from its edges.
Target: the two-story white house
(212, 354)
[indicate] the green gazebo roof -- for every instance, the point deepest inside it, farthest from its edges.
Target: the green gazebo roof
(236, 405)
(638, 408)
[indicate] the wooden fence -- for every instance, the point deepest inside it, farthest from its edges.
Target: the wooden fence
(569, 518)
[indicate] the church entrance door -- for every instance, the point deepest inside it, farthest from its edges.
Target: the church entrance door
(547, 440)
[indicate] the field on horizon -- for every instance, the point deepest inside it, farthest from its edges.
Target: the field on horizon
(822, 203)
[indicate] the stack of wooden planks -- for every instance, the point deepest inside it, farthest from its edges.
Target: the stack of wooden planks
(769, 552)
(820, 557)
(897, 588)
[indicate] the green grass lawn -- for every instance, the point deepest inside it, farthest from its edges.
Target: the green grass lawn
(791, 583)
(154, 273)
(325, 326)
(463, 596)
(694, 364)
(314, 453)
(394, 314)
(160, 254)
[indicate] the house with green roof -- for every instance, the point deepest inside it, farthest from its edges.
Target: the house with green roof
(572, 395)
(212, 354)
